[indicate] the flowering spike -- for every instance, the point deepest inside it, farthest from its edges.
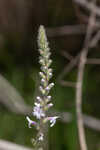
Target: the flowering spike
(42, 104)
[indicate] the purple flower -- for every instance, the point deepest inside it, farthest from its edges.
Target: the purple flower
(37, 111)
(30, 122)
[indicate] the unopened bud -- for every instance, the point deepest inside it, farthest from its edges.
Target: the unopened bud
(39, 98)
(42, 75)
(42, 90)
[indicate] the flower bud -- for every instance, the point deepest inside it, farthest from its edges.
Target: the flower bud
(42, 90)
(42, 75)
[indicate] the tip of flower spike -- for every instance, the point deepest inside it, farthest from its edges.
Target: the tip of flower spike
(42, 39)
(41, 27)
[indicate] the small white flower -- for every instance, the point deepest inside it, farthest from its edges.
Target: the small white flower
(52, 120)
(30, 122)
(42, 80)
(47, 88)
(49, 105)
(44, 68)
(50, 70)
(41, 137)
(39, 98)
(49, 97)
(37, 104)
(50, 74)
(51, 85)
(37, 111)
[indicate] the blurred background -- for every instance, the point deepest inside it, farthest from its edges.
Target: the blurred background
(65, 24)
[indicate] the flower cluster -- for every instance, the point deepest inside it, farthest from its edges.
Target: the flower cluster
(43, 102)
